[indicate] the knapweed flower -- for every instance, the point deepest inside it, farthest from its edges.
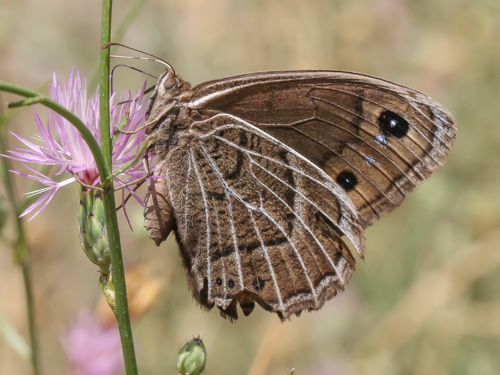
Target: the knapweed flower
(59, 143)
(93, 348)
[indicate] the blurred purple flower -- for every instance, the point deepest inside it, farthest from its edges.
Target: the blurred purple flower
(93, 348)
(60, 144)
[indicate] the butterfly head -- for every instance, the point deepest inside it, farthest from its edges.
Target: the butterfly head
(166, 95)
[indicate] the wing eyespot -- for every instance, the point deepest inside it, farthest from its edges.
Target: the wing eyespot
(347, 180)
(393, 124)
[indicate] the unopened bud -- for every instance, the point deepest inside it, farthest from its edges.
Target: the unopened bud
(93, 232)
(108, 289)
(192, 357)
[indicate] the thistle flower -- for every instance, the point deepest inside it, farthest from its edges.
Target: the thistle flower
(60, 144)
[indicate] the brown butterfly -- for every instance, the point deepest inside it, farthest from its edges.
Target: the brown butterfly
(266, 173)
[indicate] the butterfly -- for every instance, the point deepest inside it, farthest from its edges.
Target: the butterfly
(266, 177)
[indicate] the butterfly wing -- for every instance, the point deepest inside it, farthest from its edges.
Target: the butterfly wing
(277, 168)
(256, 221)
(375, 138)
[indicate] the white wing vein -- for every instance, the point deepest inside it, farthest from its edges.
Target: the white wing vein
(186, 192)
(248, 152)
(265, 213)
(230, 209)
(268, 261)
(308, 229)
(205, 206)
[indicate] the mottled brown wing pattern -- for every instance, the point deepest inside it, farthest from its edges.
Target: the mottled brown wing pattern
(342, 122)
(265, 173)
(257, 222)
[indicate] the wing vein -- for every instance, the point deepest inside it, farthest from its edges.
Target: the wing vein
(414, 107)
(186, 192)
(370, 181)
(268, 261)
(230, 210)
(229, 190)
(357, 152)
(294, 170)
(304, 225)
(223, 266)
(205, 206)
(389, 147)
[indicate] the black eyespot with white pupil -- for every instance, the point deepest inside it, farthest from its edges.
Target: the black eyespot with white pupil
(393, 124)
(347, 180)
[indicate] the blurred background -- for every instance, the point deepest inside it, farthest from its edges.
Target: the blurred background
(426, 300)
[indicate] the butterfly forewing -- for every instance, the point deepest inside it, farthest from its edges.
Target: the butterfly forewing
(342, 123)
(265, 173)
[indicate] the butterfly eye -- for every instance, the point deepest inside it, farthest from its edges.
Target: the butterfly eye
(169, 82)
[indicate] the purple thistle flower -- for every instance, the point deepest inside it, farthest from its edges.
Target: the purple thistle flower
(93, 348)
(60, 144)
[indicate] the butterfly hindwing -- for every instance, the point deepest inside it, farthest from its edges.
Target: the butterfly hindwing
(257, 222)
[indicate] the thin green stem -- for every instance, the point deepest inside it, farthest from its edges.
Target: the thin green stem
(21, 256)
(121, 310)
(104, 71)
(25, 266)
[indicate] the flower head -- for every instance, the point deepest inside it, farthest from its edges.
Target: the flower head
(59, 143)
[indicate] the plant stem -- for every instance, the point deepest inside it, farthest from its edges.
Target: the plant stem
(21, 256)
(121, 311)
(30, 306)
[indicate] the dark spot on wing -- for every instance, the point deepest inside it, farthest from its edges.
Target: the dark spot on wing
(393, 124)
(347, 180)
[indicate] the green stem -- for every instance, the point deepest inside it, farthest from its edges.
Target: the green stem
(21, 256)
(104, 86)
(121, 311)
(25, 266)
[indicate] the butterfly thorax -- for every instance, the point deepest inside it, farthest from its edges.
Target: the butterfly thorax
(167, 117)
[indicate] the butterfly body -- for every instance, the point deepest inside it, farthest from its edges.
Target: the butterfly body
(265, 174)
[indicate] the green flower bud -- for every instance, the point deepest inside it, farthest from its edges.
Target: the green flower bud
(93, 232)
(108, 289)
(192, 357)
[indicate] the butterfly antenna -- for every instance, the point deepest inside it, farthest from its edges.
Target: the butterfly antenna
(130, 67)
(155, 58)
(137, 70)
(133, 68)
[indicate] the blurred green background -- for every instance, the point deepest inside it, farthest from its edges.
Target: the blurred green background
(427, 298)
